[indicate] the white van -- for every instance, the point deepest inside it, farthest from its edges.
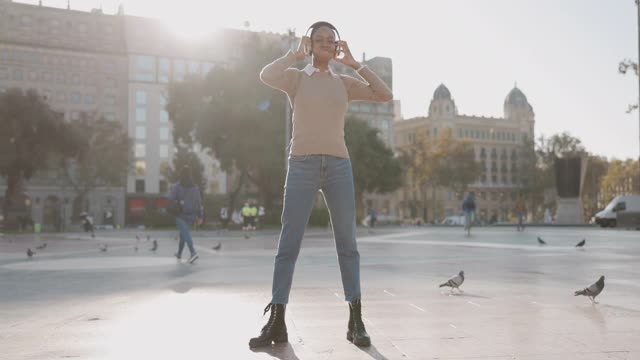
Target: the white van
(623, 208)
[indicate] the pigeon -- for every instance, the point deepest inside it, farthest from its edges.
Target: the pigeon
(137, 238)
(593, 290)
(40, 247)
(540, 241)
(103, 248)
(581, 243)
(246, 236)
(135, 248)
(455, 281)
(217, 247)
(30, 253)
(155, 246)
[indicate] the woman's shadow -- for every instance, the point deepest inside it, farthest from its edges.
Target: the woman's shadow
(278, 351)
(373, 352)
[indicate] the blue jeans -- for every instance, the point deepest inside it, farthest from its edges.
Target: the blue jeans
(306, 175)
(185, 236)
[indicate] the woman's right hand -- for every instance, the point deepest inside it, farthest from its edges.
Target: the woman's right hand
(303, 48)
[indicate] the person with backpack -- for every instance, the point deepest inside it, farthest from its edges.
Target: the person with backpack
(186, 205)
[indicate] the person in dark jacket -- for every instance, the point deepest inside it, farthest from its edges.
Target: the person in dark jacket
(185, 200)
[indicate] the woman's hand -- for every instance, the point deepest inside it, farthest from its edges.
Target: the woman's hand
(347, 59)
(303, 48)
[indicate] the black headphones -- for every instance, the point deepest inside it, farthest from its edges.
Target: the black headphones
(317, 26)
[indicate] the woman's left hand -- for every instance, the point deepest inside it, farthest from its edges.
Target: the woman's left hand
(347, 59)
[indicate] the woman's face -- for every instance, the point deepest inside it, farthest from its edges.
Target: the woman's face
(324, 44)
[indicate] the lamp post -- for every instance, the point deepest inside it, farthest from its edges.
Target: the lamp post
(638, 73)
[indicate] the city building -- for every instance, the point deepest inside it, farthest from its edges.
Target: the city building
(497, 143)
(77, 61)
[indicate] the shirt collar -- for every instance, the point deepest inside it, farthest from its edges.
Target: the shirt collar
(310, 69)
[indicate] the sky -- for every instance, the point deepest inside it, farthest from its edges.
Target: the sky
(563, 55)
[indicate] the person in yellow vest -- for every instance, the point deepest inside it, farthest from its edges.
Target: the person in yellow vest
(246, 216)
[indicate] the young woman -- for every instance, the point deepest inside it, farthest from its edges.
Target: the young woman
(319, 160)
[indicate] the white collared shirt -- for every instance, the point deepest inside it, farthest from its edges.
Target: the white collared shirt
(310, 70)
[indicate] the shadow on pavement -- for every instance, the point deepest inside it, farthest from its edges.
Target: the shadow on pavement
(279, 351)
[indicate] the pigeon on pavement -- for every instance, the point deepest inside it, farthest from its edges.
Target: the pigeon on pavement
(40, 247)
(540, 241)
(455, 281)
(30, 253)
(581, 243)
(155, 245)
(593, 290)
(103, 248)
(217, 247)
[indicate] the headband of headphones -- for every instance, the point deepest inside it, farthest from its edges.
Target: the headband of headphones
(320, 24)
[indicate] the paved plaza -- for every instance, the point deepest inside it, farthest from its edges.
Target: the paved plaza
(72, 301)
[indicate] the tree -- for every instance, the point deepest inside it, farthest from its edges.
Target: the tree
(236, 117)
(104, 157)
(619, 179)
(375, 168)
(441, 162)
(30, 131)
(186, 156)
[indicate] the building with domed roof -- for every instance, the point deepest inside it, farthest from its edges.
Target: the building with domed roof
(497, 142)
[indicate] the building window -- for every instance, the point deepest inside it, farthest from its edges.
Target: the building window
(110, 116)
(162, 100)
(164, 70)
(164, 116)
(141, 132)
(141, 167)
(179, 69)
(141, 97)
(89, 99)
(140, 150)
(110, 100)
(17, 75)
(140, 186)
(164, 133)
(61, 97)
(145, 68)
(76, 98)
(141, 114)
(194, 67)
(75, 79)
(164, 151)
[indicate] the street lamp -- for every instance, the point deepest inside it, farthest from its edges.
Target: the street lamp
(638, 74)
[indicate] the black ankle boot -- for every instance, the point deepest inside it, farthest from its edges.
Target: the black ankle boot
(356, 333)
(275, 330)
